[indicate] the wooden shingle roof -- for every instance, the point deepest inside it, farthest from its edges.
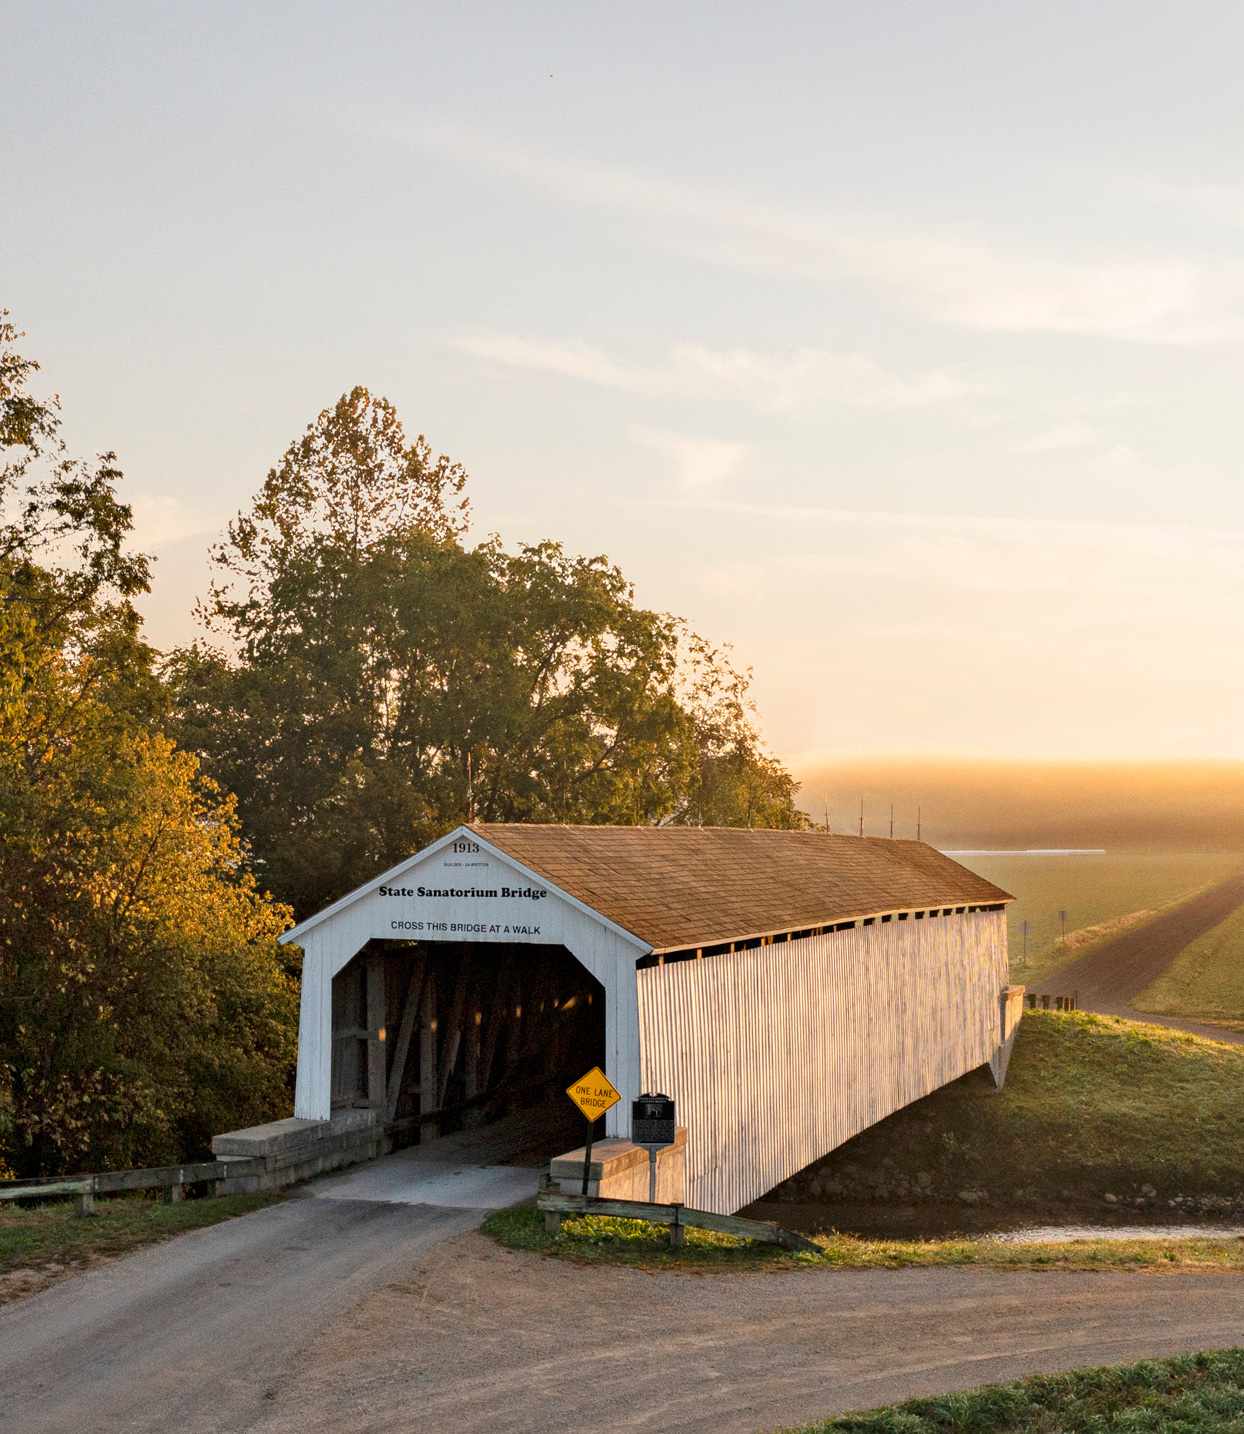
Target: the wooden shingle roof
(678, 887)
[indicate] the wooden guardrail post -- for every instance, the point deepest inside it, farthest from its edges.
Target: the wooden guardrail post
(677, 1230)
(86, 1198)
(1044, 1002)
(552, 1218)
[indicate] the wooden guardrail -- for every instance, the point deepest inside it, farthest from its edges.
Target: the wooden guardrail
(679, 1218)
(1051, 1003)
(84, 1188)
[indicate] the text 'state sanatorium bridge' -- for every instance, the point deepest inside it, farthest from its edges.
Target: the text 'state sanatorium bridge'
(787, 988)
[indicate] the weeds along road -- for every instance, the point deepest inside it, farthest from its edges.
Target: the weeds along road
(1113, 974)
(324, 1315)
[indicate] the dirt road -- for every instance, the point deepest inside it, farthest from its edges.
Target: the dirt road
(330, 1315)
(1113, 974)
(200, 1334)
(478, 1339)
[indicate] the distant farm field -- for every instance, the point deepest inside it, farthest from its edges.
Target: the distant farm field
(1205, 979)
(1098, 893)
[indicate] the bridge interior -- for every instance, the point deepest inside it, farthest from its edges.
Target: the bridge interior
(445, 1037)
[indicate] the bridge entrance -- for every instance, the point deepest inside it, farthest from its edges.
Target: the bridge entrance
(446, 1036)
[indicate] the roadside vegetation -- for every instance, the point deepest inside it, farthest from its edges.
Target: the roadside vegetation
(599, 1239)
(1103, 896)
(1191, 1394)
(1043, 974)
(144, 1002)
(46, 1242)
(1206, 979)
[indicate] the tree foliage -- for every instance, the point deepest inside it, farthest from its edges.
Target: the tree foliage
(379, 682)
(143, 1003)
(57, 511)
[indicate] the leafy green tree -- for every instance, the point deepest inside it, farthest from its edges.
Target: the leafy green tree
(735, 782)
(57, 510)
(143, 1004)
(380, 682)
(350, 481)
(143, 1000)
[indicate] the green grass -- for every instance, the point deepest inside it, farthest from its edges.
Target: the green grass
(1191, 1394)
(1206, 978)
(605, 1240)
(1095, 891)
(54, 1237)
(1092, 1104)
(597, 1239)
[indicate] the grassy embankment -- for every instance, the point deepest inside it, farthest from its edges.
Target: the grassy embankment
(1206, 978)
(1194, 1394)
(596, 1239)
(1092, 1105)
(46, 1242)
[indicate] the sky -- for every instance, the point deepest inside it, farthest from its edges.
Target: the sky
(900, 345)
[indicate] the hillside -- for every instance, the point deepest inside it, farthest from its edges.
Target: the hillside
(1205, 979)
(1093, 1105)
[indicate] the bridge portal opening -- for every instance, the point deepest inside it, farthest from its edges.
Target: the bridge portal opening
(445, 1036)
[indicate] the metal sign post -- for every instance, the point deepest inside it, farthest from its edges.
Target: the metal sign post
(653, 1125)
(594, 1094)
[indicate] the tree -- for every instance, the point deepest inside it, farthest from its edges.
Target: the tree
(381, 682)
(351, 480)
(56, 510)
(735, 782)
(143, 1005)
(143, 1001)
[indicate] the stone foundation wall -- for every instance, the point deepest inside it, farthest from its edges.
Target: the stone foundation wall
(619, 1171)
(284, 1152)
(892, 1183)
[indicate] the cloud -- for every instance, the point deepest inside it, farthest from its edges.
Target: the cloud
(781, 382)
(986, 552)
(160, 518)
(1063, 438)
(1223, 203)
(567, 360)
(697, 462)
(944, 274)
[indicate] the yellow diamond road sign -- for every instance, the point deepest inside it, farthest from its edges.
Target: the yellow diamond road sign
(594, 1093)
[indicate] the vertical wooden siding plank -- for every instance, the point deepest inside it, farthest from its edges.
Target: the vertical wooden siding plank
(778, 1054)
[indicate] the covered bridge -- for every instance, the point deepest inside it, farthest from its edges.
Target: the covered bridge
(787, 988)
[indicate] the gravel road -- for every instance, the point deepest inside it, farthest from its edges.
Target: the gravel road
(479, 1339)
(1113, 974)
(202, 1332)
(321, 1315)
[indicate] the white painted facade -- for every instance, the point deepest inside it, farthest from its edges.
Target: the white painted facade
(775, 1054)
(405, 904)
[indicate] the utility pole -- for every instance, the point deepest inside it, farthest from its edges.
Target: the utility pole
(918, 815)
(861, 816)
(891, 821)
(1062, 921)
